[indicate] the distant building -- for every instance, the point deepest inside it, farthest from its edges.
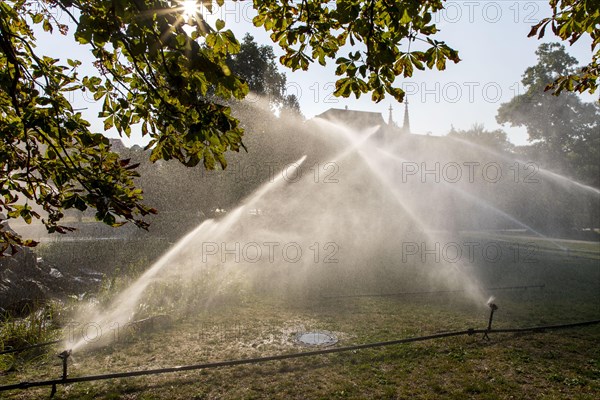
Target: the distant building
(406, 125)
(363, 120)
(352, 118)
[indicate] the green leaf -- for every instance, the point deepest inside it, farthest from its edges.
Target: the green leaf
(378, 94)
(108, 123)
(406, 18)
(47, 26)
(209, 160)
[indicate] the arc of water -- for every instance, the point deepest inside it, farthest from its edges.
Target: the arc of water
(122, 307)
(469, 282)
(553, 175)
(482, 203)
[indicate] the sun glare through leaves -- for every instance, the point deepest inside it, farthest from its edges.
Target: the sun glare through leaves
(189, 8)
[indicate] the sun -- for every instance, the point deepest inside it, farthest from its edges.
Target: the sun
(189, 8)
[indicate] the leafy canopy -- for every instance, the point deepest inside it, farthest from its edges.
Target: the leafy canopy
(166, 71)
(571, 20)
(383, 31)
(149, 72)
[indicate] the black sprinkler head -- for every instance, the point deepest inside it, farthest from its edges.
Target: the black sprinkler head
(65, 354)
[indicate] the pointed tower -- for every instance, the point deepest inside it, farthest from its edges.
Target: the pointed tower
(406, 125)
(390, 119)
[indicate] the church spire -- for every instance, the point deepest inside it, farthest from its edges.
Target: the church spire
(406, 126)
(390, 119)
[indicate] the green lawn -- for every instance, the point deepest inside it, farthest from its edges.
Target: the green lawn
(552, 365)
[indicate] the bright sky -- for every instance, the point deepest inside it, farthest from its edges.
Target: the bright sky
(491, 37)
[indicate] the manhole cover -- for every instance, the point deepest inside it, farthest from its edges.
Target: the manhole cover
(317, 338)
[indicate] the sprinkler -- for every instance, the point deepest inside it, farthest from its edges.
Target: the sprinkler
(65, 359)
(493, 307)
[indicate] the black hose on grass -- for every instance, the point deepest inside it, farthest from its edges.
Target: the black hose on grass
(21, 349)
(219, 364)
(33, 346)
(542, 286)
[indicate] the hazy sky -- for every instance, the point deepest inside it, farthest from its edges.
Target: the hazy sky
(491, 37)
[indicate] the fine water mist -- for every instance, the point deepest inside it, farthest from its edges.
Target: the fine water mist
(361, 214)
(123, 308)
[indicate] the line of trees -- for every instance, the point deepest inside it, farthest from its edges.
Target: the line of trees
(564, 136)
(563, 131)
